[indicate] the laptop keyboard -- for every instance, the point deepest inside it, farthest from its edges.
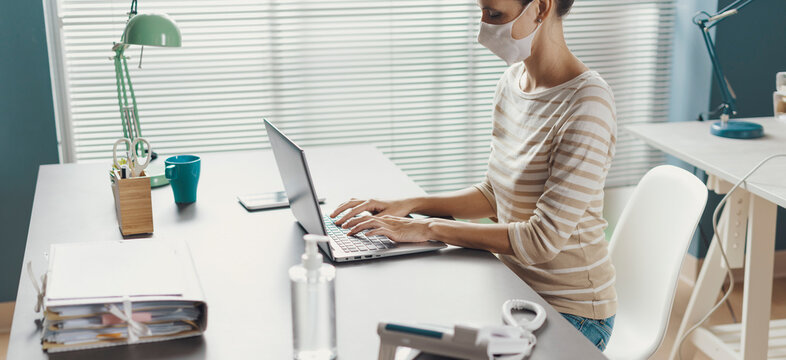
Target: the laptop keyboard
(358, 242)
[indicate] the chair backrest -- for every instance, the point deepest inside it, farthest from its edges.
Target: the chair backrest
(647, 248)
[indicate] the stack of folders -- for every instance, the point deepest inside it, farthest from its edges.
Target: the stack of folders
(108, 293)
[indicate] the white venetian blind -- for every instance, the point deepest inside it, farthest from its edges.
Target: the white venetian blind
(407, 76)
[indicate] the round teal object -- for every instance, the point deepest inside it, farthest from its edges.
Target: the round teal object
(152, 30)
(737, 130)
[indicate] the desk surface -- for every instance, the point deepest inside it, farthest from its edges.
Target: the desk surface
(242, 260)
(728, 159)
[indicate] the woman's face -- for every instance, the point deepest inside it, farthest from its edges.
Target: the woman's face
(500, 12)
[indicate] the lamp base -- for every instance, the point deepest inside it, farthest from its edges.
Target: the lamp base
(737, 130)
(156, 173)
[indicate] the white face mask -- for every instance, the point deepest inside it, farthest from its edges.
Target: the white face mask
(499, 39)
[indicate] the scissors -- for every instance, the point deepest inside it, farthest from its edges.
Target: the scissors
(132, 158)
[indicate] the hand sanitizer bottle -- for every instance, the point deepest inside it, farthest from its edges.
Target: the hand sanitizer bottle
(313, 304)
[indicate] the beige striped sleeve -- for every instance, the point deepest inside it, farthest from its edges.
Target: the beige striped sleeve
(580, 157)
(487, 191)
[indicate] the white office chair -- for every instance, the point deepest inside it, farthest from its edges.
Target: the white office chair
(647, 248)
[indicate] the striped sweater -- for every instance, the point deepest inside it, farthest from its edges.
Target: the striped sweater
(550, 153)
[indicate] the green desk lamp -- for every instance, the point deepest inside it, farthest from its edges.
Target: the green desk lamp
(144, 30)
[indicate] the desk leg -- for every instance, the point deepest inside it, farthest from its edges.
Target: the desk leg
(759, 260)
(704, 296)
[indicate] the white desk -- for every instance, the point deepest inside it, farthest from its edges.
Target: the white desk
(242, 260)
(727, 161)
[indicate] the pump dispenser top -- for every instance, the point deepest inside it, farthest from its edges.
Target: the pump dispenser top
(312, 259)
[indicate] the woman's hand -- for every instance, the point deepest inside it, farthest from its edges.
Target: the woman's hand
(399, 229)
(375, 207)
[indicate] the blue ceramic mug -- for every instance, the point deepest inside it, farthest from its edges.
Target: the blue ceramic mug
(183, 173)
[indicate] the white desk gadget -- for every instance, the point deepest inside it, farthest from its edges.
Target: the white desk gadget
(512, 341)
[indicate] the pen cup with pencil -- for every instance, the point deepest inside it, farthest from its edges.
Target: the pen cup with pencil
(131, 188)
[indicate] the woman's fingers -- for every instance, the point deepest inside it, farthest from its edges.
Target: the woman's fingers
(359, 219)
(346, 205)
(365, 205)
(383, 213)
(393, 213)
(395, 228)
(382, 231)
(370, 222)
(354, 221)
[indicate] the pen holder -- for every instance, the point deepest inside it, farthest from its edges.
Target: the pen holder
(133, 205)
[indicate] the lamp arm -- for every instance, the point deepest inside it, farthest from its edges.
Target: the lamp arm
(133, 98)
(121, 90)
(729, 105)
(731, 9)
(131, 14)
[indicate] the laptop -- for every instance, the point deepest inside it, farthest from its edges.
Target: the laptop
(295, 175)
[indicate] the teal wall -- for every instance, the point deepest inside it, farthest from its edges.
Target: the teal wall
(751, 50)
(27, 129)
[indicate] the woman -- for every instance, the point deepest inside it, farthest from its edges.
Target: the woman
(554, 126)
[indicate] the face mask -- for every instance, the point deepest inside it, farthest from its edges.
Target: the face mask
(499, 39)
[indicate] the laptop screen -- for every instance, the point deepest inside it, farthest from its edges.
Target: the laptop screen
(291, 161)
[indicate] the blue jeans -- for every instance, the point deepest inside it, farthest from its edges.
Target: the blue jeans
(597, 331)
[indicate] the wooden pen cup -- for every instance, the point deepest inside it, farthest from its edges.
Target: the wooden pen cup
(133, 205)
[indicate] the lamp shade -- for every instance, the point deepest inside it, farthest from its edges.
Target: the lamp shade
(152, 30)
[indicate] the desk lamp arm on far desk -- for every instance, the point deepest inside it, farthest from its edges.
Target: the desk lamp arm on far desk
(728, 107)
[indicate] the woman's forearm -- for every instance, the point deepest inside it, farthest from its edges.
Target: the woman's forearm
(491, 237)
(467, 203)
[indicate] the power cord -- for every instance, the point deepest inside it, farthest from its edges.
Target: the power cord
(703, 236)
(723, 253)
(706, 243)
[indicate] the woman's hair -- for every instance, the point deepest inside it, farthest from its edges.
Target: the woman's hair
(563, 6)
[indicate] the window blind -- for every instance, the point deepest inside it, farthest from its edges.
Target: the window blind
(404, 75)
